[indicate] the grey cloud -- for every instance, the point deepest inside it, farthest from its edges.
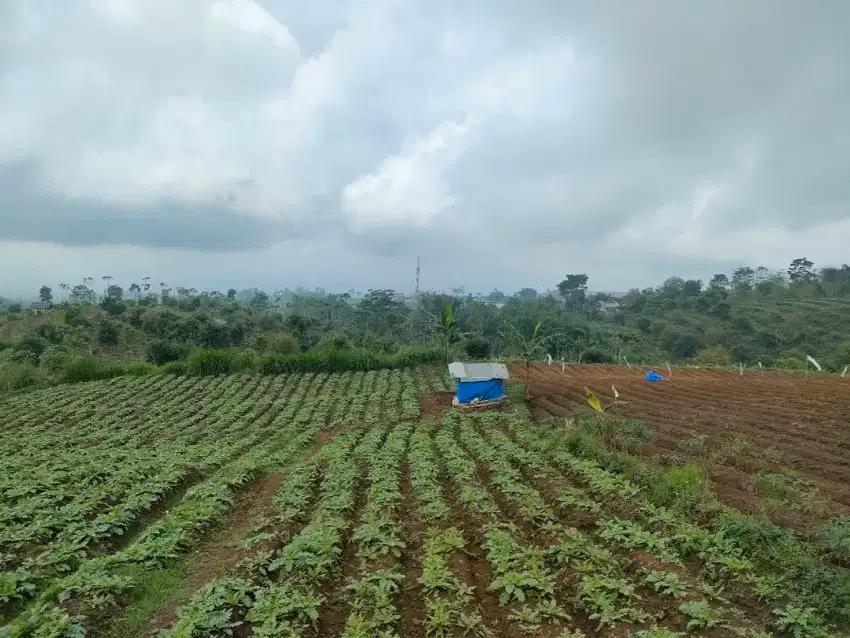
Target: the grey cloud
(664, 97)
(28, 213)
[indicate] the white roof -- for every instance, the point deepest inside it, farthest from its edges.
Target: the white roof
(478, 371)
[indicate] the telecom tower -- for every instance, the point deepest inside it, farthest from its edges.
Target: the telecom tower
(417, 277)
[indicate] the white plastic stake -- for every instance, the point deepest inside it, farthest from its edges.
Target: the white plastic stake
(761, 369)
(616, 394)
(563, 364)
(669, 370)
(845, 371)
(549, 358)
(628, 365)
(741, 369)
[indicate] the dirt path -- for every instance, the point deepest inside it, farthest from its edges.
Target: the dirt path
(219, 553)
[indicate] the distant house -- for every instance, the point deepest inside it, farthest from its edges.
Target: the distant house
(482, 381)
(39, 306)
(609, 306)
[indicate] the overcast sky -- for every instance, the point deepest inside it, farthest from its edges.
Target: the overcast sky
(278, 143)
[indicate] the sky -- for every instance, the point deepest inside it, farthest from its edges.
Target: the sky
(276, 143)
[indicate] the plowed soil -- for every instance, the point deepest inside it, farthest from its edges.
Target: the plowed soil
(788, 422)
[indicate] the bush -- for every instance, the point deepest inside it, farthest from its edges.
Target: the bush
(54, 359)
(477, 348)
(74, 316)
(17, 376)
(712, 357)
(681, 488)
(789, 363)
(325, 360)
(108, 333)
(94, 369)
(334, 340)
(164, 351)
(279, 342)
(596, 355)
(175, 367)
(113, 306)
(204, 363)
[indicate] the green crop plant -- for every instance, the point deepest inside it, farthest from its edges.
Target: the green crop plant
(700, 615)
(609, 600)
(800, 622)
(666, 583)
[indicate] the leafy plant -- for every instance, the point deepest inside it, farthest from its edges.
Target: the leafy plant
(800, 622)
(666, 583)
(700, 615)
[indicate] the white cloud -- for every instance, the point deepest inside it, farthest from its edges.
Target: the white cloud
(393, 126)
(407, 188)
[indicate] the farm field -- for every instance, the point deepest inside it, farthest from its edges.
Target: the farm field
(333, 505)
(773, 440)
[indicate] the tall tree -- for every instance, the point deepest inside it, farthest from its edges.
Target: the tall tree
(801, 269)
(742, 278)
(45, 294)
(526, 294)
(719, 282)
(574, 290)
(108, 279)
(134, 290)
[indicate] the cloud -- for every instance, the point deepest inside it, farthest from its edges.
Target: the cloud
(408, 187)
(628, 142)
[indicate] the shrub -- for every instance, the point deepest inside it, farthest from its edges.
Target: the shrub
(680, 488)
(326, 360)
(54, 359)
(175, 367)
(279, 342)
(93, 369)
(113, 306)
(108, 333)
(477, 348)
(203, 363)
(163, 351)
(334, 340)
(17, 376)
(712, 357)
(789, 363)
(596, 355)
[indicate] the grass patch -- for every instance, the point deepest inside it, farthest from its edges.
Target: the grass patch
(153, 592)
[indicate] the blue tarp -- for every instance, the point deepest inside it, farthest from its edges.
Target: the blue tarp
(653, 377)
(485, 390)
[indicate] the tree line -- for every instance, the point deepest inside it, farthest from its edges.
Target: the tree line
(750, 315)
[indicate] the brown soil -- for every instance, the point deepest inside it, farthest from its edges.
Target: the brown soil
(220, 553)
(803, 423)
(436, 402)
(412, 603)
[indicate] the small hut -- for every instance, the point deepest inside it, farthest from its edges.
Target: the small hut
(479, 381)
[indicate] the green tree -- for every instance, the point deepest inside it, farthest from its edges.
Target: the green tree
(531, 347)
(231, 294)
(115, 292)
(801, 269)
(260, 302)
(108, 333)
(382, 312)
(45, 294)
(527, 294)
(742, 278)
(574, 290)
(134, 290)
(719, 282)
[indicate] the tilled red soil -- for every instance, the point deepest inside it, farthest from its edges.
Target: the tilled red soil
(789, 422)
